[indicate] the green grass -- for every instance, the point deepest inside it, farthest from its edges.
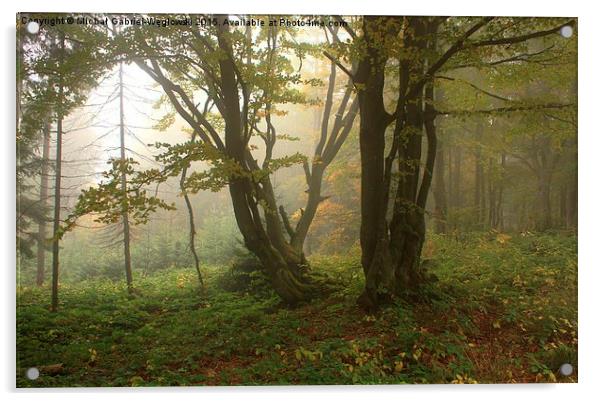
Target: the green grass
(503, 310)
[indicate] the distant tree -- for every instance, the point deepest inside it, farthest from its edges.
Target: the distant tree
(42, 239)
(58, 67)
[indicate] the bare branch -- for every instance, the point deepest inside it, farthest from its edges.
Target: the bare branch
(286, 222)
(506, 109)
(338, 64)
(493, 95)
(520, 38)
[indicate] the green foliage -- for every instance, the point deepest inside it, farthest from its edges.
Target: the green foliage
(505, 312)
(56, 70)
(246, 275)
(109, 201)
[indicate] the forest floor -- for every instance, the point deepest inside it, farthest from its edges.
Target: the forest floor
(504, 310)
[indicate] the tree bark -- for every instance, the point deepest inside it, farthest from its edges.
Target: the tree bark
(283, 265)
(544, 202)
(572, 201)
(457, 179)
(479, 179)
(408, 228)
(374, 119)
(439, 193)
(125, 218)
(492, 196)
(41, 251)
(192, 231)
(391, 252)
(57, 184)
(562, 201)
(500, 202)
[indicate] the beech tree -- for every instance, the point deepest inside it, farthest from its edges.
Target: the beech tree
(395, 183)
(247, 79)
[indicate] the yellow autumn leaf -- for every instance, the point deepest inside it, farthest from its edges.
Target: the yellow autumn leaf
(503, 238)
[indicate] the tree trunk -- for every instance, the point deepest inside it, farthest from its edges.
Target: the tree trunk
(572, 202)
(544, 202)
(439, 193)
(500, 202)
(562, 201)
(408, 228)
(192, 233)
(314, 198)
(492, 197)
(479, 180)
(41, 251)
(458, 194)
(283, 265)
(125, 217)
(391, 252)
(57, 185)
(374, 119)
(450, 176)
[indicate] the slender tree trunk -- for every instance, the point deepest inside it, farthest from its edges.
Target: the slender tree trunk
(325, 152)
(544, 202)
(450, 177)
(458, 194)
(483, 206)
(500, 202)
(125, 218)
(572, 202)
(192, 234)
(57, 184)
(562, 209)
(523, 222)
(41, 251)
(479, 181)
(314, 199)
(440, 193)
(492, 197)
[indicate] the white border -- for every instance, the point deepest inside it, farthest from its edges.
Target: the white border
(590, 277)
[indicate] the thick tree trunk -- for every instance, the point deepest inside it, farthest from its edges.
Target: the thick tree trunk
(408, 223)
(282, 264)
(41, 251)
(408, 228)
(377, 264)
(391, 252)
(374, 120)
